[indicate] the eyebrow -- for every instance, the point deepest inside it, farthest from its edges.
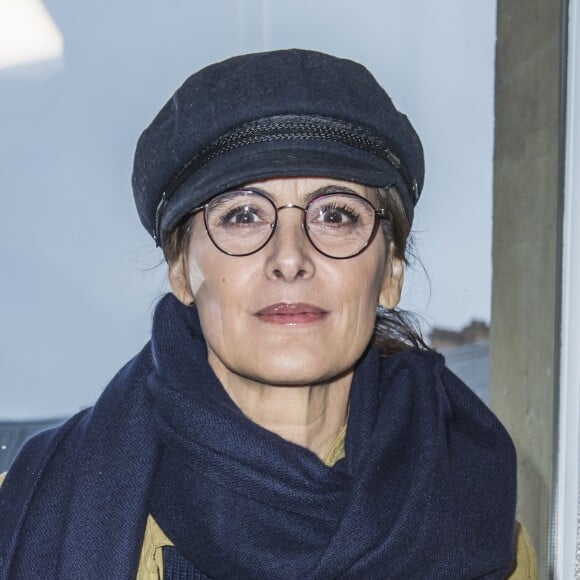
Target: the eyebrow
(306, 198)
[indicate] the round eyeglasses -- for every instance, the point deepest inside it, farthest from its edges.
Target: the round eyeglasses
(339, 224)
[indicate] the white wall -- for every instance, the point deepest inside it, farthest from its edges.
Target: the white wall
(568, 483)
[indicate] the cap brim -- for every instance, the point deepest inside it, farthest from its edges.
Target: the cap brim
(279, 159)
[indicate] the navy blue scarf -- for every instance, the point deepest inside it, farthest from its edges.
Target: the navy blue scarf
(426, 490)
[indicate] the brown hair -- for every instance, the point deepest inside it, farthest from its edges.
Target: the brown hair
(395, 329)
(176, 243)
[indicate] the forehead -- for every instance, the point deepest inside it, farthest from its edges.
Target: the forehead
(305, 187)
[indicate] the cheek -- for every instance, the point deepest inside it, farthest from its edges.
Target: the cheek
(365, 297)
(212, 316)
(196, 276)
(218, 295)
(197, 247)
(371, 273)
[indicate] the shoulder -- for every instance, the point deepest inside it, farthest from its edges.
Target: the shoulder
(31, 461)
(426, 370)
(41, 445)
(525, 566)
(424, 357)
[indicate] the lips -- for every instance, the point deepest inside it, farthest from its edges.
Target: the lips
(291, 313)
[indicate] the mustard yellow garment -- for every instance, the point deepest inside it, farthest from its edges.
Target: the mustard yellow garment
(151, 560)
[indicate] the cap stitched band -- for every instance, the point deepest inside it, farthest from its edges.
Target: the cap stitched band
(286, 128)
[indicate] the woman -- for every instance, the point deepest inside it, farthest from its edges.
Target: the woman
(284, 421)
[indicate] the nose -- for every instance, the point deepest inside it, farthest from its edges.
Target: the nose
(289, 251)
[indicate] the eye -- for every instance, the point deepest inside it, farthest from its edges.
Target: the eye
(335, 214)
(240, 216)
(239, 213)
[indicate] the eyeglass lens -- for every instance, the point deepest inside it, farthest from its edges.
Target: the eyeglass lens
(241, 222)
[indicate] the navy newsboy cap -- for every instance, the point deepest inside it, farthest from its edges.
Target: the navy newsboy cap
(272, 114)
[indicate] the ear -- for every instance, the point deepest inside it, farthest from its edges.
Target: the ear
(179, 282)
(393, 281)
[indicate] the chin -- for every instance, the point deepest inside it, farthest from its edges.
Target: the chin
(298, 372)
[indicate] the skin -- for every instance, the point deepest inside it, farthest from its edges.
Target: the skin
(292, 379)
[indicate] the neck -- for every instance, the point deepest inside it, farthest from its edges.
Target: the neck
(310, 416)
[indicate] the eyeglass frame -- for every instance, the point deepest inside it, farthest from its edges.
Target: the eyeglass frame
(379, 213)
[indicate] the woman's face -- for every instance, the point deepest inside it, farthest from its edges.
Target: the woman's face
(287, 315)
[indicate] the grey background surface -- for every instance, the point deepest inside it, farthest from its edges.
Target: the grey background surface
(80, 277)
